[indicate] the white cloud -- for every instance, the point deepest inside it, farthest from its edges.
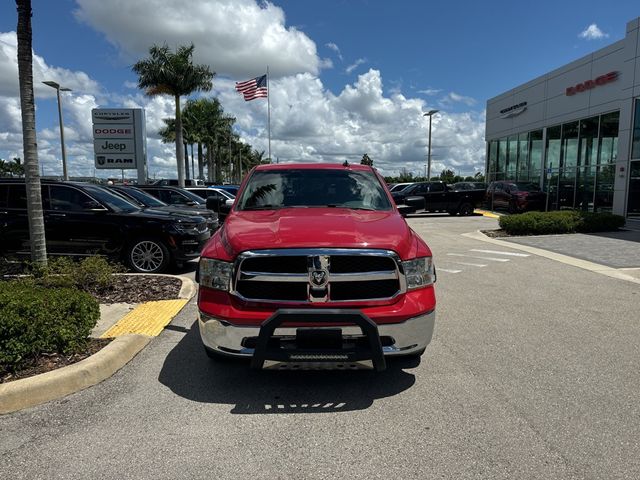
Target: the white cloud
(335, 48)
(78, 81)
(592, 32)
(453, 97)
(355, 65)
(237, 38)
(430, 91)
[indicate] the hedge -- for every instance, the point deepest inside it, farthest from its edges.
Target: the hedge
(563, 221)
(35, 320)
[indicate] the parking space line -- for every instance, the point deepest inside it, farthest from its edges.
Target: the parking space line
(512, 254)
(447, 270)
(470, 264)
(482, 258)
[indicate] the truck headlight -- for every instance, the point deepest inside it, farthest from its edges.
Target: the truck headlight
(419, 272)
(215, 274)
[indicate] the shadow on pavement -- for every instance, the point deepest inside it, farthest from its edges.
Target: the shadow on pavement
(626, 235)
(188, 372)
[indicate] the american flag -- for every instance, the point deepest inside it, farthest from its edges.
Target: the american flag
(254, 88)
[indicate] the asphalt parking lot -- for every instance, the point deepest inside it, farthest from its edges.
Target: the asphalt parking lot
(533, 373)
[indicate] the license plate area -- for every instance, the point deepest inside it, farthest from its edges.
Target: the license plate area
(318, 338)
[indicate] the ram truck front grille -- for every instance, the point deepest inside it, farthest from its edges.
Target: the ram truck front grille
(318, 275)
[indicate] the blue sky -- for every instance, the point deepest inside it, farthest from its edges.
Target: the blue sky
(348, 76)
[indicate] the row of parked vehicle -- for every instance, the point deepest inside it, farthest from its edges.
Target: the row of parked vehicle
(463, 197)
(148, 227)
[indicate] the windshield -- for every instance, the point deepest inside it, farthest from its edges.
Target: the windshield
(400, 187)
(116, 202)
(314, 188)
(142, 197)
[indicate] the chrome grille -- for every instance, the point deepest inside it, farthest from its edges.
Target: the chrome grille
(318, 276)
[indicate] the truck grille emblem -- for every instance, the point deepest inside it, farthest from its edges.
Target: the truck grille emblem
(319, 278)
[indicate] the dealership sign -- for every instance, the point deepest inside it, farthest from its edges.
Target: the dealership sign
(513, 110)
(589, 84)
(119, 139)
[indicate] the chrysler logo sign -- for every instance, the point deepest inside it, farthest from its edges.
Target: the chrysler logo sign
(513, 110)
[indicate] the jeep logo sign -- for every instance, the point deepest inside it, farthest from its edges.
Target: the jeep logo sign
(113, 146)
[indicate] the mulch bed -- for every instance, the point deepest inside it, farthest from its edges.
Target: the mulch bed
(126, 289)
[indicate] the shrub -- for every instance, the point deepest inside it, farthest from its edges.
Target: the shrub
(556, 222)
(90, 274)
(600, 222)
(35, 320)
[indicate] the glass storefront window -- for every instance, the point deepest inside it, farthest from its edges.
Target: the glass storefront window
(512, 157)
(633, 207)
(604, 188)
(570, 145)
(635, 145)
(535, 152)
(589, 141)
(502, 156)
(585, 188)
(493, 155)
(609, 137)
(523, 157)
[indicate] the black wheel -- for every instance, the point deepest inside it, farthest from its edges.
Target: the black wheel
(465, 209)
(512, 208)
(148, 255)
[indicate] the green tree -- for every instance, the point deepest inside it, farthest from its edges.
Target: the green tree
(448, 176)
(173, 73)
(29, 141)
(366, 160)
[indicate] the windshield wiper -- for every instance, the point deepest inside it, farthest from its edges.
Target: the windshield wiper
(350, 207)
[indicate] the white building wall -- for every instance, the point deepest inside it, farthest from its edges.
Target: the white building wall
(548, 104)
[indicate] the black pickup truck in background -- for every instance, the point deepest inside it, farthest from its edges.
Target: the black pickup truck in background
(438, 197)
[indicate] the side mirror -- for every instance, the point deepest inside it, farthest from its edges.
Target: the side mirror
(213, 203)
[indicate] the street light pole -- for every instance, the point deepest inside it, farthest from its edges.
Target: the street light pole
(429, 114)
(59, 89)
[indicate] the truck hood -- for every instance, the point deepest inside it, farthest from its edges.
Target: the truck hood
(317, 228)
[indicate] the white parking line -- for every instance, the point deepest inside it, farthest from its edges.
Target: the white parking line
(482, 258)
(447, 270)
(470, 264)
(513, 254)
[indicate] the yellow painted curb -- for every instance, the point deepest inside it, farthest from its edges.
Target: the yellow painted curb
(484, 213)
(150, 318)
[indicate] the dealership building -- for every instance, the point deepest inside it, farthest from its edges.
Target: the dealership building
(574, 131)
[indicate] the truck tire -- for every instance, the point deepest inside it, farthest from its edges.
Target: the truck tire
(465, 209)
(148, 255)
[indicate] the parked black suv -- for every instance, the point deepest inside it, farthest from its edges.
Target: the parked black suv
(146, 200)
(87, 219)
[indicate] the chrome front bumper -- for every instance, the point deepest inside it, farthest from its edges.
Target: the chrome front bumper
(410, 336)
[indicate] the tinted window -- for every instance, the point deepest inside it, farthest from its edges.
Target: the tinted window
(67, 199)
(115, 202)
(436, 187)
(526, 187)
(142, 197)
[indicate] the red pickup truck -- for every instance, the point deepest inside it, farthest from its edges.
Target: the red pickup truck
(314, 267)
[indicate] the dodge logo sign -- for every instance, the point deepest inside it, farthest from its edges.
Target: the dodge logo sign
(589, 84)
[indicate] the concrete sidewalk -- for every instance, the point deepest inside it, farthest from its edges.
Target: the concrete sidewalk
(131, 326)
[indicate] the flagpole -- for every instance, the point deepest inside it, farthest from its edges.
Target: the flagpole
(269, 113)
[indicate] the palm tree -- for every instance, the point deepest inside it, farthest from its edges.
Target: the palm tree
(29, 141)
(169, 73)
